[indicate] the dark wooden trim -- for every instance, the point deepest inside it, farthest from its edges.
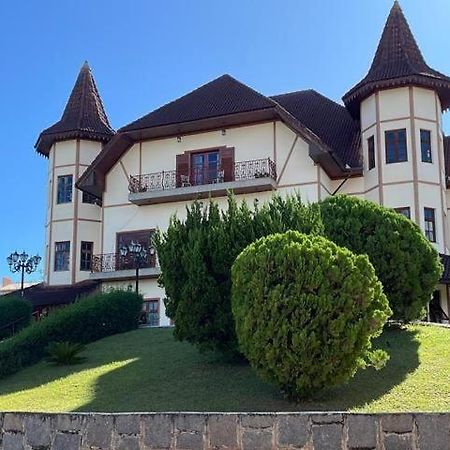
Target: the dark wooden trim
(204, 150)
(75, 212)
(414, 149)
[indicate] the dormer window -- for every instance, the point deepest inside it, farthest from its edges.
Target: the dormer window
(396, 148)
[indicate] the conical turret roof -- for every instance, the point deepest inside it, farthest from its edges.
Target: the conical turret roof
(83, 118)
(398, 62)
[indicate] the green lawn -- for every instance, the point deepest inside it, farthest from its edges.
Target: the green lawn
(147, 370)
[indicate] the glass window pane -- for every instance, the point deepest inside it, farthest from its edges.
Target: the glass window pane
(62, 255)
(396, 146)
(64, 189)
(425, 144)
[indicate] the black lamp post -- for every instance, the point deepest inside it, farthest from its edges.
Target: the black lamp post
(138, 254)
(22, 263)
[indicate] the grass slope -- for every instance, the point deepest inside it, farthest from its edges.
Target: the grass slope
(147, 370)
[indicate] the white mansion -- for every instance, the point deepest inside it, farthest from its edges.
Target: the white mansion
(109, 188)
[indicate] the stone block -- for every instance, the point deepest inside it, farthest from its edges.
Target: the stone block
(397, 423)
(128, 423)
(257, 440)
(37, 430)
(189, 441)
(399, 442)
(128, 443)
(13, 441)
(223, 431)
(362, 431)
(68, 422)
(13, 422)
(98, 431)
(433, 431)
(327, 418)
(257, 420)
(158, 430)
(66, 441)
(190, 422)
(327, 436)
(293, 430)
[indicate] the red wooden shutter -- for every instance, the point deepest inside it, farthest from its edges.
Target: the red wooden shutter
(227, 163)
(182, 167)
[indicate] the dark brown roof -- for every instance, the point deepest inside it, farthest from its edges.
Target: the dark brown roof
(226, 102)
(328, 120)
(84, 116)
(41, 295)
(220, 97)
(398, 62)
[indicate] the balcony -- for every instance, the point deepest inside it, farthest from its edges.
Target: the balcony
(169, 186)
(113, 266)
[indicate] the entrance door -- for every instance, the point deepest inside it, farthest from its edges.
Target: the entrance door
(435, 307)
(151, 308)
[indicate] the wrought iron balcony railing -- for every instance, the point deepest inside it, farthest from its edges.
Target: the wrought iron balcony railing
(170, 179)
(111, 262)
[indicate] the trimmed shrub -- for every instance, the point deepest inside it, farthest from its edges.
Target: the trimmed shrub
(196, 256)
(405, 262)
(15, 314)
(87, 320)
(306, 311)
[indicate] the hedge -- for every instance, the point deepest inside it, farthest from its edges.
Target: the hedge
(15, 314)
(85, 321)
(196, 255)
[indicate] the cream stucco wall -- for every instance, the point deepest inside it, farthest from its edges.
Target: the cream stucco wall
(411, 184)
(295, 170)
(75, 221)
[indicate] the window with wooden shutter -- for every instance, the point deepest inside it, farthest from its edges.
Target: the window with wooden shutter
(182, 169)
(227, 163)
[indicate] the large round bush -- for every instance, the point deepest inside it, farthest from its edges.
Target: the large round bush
(306, 310)
(405, 262)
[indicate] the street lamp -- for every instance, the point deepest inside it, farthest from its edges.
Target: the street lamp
(22, 263)
(138, 254)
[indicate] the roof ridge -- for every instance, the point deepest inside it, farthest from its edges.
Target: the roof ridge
(291, 92)
(222, 87)
(312, 91)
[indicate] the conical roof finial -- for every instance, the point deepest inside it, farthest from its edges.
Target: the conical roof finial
(84, 116)
(397, 60)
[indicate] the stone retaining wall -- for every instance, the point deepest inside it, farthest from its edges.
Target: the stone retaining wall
(205, 431)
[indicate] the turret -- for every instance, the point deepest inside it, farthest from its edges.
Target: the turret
(73, 224)
(399, 104)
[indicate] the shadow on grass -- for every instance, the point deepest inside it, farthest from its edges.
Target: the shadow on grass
(177, 378)
(171, 376)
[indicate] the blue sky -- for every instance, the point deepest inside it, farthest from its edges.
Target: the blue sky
(144, 53)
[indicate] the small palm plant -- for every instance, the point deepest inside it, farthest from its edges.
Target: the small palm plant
(65, 353)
